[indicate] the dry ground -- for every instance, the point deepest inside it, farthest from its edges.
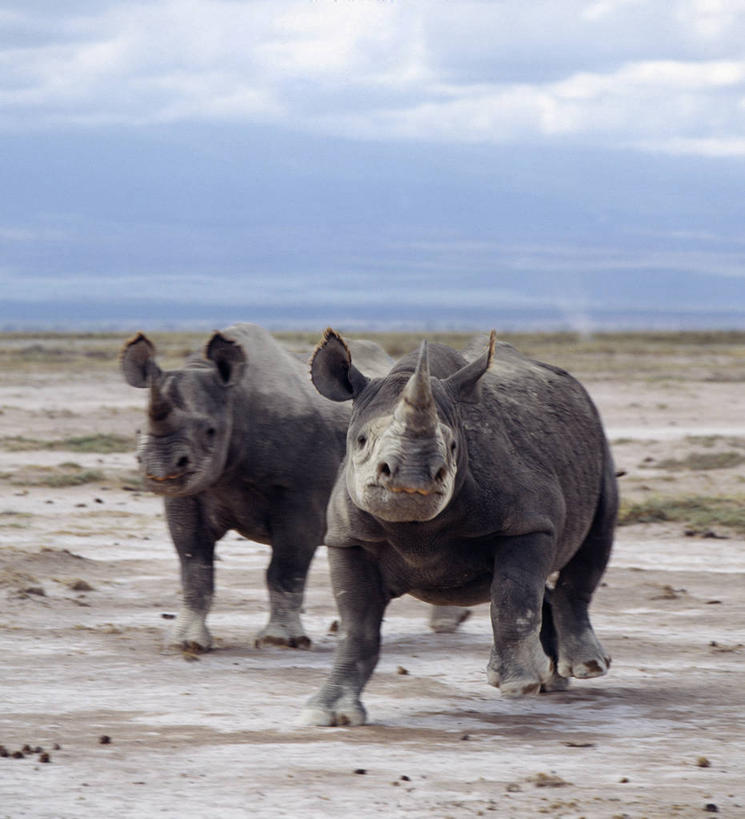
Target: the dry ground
(88, 578)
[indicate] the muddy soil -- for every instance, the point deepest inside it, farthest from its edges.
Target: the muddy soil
(88, 584)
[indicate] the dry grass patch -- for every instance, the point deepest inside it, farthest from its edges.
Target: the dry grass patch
(699, 513)
(101, 443)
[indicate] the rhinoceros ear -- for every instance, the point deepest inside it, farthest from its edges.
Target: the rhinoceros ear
(228, 356)
(332, 371)
(464, 384)
(138, 361)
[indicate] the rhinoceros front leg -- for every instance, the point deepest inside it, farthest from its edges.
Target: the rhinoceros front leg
(294, 542)
(518, 665)
(361, 600)
(195, 546)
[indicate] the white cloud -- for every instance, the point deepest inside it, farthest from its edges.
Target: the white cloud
(650, 75)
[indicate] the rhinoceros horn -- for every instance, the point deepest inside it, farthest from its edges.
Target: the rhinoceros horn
(160, 407)
(416, 408)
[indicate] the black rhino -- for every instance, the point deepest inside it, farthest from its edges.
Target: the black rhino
(467, 480)
(241, 440)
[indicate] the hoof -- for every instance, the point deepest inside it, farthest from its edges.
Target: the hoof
(520, 688)
(269, 640)
(556, 683)
(585, 669)
(313, 715)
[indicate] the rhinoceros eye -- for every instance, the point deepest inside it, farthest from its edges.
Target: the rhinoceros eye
(361, 441)
(210, 434)
(452, 447)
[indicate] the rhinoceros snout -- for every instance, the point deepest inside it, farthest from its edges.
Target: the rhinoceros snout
(422, 478)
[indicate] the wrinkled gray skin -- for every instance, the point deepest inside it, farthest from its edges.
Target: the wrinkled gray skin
(240, 440)
(467, 481)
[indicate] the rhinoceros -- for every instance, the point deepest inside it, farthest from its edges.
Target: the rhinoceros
(239, 439)
(467, 481)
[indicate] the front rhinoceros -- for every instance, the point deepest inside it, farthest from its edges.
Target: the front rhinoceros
(239, 440)
(466, 482)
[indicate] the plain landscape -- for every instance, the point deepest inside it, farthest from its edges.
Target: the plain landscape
(97, 718)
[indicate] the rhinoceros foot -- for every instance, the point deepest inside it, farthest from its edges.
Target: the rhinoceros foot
(446, 619)
(189, 632)
(346, 710)
(582, 656)
(522, 672)
(556, 683)
(265, 640)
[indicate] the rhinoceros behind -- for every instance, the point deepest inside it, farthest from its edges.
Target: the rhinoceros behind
(241, 440)
(466, 482)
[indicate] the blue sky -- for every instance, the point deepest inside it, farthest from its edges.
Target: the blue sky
(365, 162)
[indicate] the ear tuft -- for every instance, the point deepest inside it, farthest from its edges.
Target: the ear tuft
(137, 360)
(228, 356)
(332, 371)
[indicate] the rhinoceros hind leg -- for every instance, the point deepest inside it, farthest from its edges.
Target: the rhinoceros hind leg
(446, 619)
(284, 627)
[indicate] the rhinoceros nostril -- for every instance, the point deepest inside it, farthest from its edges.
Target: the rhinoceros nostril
(182, 462)
(384, 471)
(441, 474)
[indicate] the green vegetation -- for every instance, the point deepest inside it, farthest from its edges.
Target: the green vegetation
(701, 461)
(700, 514)
(56, 477)
(100, 443)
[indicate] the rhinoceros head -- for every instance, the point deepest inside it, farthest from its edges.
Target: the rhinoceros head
(189, 417)
(405, 447)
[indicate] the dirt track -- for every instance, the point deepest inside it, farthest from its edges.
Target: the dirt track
(662, 735)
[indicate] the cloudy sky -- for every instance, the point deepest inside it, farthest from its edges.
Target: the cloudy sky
(372, 161)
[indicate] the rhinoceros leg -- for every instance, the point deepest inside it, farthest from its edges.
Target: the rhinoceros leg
(361, 599)
(518, 665)
(195, 546)
(294, 541)
(580, 653)
(446, 619)
(549, 641)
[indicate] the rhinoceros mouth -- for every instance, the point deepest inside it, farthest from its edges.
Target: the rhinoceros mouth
(179, 476)
(410, 491)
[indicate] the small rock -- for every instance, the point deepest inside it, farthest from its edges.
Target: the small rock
(544, 780)
(405, 778)
(703, 762)
(80, 585)
(334, 627)
(168, 616)
(402, 670)
(360, 771)
(18, 755)
(45, 757)
(104, 739)
(56, 747)
(710, 807)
